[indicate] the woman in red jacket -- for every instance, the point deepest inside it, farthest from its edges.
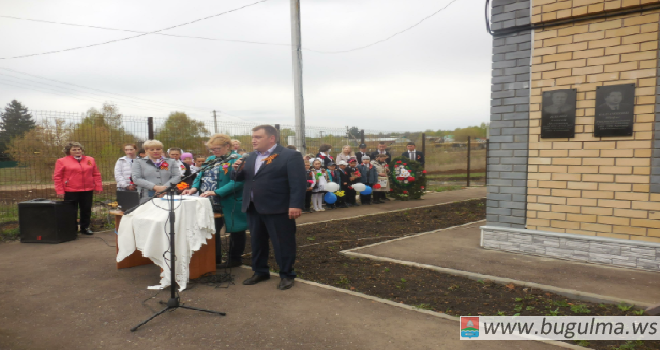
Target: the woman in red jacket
(76, 178)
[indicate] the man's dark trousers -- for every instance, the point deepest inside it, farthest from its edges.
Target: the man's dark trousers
(282, 233)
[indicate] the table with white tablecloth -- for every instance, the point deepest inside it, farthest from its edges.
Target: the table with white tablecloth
(147, 230)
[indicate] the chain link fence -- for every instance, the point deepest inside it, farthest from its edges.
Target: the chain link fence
(29, 159)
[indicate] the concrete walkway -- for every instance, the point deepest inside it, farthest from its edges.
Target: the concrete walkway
(458, 248)
(71, 296)
(428, 199)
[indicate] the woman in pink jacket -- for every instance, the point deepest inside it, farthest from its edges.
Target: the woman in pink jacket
(76, 178)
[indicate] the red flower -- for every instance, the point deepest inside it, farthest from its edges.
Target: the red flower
(387, 166)
(350, 187)
(422, 187)
(398, 162)
(164, 164)
(411, 179)
(322, 157)
(310, 181)
(405, 192)
(423, 171)
(377, 186)
(405, 163)
(391, 190)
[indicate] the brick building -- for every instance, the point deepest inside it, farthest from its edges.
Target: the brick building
(587, 198)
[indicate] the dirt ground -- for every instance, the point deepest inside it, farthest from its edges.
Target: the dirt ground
(71, 296)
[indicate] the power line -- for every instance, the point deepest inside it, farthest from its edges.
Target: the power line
(79, 92)
(207, 38)
(135, 36)
(393, 35)
(141, 32)
(163, 105)
(172, 105)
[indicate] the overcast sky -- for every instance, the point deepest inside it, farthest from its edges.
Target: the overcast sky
(434, 76)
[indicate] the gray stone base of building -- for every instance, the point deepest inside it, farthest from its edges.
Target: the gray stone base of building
(598, 250)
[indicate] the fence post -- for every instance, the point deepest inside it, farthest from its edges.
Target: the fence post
(424, 144)
(487, 150)
(150, 125)
(362, 136)
(279, 139)
(468, 164)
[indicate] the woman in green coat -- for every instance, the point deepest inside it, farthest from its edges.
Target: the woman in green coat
(226, 195)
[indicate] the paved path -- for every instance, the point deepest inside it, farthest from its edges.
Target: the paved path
(71, 296)
(459, 249)
(428, 199)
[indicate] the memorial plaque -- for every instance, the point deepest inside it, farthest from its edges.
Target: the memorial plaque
(614, 110)
(558, 114)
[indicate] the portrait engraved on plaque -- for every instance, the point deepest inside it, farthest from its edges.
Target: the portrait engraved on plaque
(558, 113)
(615, 113)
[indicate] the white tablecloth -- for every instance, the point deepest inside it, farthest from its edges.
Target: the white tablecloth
(145, 230)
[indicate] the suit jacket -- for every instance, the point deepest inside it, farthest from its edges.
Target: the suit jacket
(146, 175)
(336, 176)
(325, 160)
(277, 186)
(419, 155)
(376, 153)
(369, 174)
(359, 155)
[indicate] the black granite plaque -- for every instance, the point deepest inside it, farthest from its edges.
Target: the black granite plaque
(558, 114)
(615, 114)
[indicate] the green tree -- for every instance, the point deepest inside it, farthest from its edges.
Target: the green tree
(15, 121)
(183, 132)
(103, 136)
(353, 133)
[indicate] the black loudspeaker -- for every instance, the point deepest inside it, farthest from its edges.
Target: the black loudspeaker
(45, 221)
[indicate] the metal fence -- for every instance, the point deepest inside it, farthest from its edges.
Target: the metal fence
(27, 170)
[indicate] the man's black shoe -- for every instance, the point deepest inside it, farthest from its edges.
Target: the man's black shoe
(87, 231)
(256, 279)
(285, 283)
(229, 264)
(367, 203)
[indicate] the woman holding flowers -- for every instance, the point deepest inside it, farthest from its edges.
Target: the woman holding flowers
(226, 195)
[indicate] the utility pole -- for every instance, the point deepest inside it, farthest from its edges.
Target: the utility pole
(296, 47)
(215, 122)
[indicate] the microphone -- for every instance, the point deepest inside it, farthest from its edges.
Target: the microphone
(242, 159)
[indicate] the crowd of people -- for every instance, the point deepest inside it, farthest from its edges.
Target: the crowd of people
(245, 198)
(347, 169)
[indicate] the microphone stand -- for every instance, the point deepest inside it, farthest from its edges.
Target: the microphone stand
(174, 302)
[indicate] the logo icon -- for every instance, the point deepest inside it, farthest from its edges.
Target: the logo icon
(469, 327)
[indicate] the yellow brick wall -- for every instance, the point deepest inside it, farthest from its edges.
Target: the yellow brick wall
(550, 10)
(587, 185)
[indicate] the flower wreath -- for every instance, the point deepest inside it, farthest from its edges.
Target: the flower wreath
(407, 179)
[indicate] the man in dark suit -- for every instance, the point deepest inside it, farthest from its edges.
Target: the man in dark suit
(273, 198)
(381, 150)
(363, 152)
(614, 105)
(412, 153)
